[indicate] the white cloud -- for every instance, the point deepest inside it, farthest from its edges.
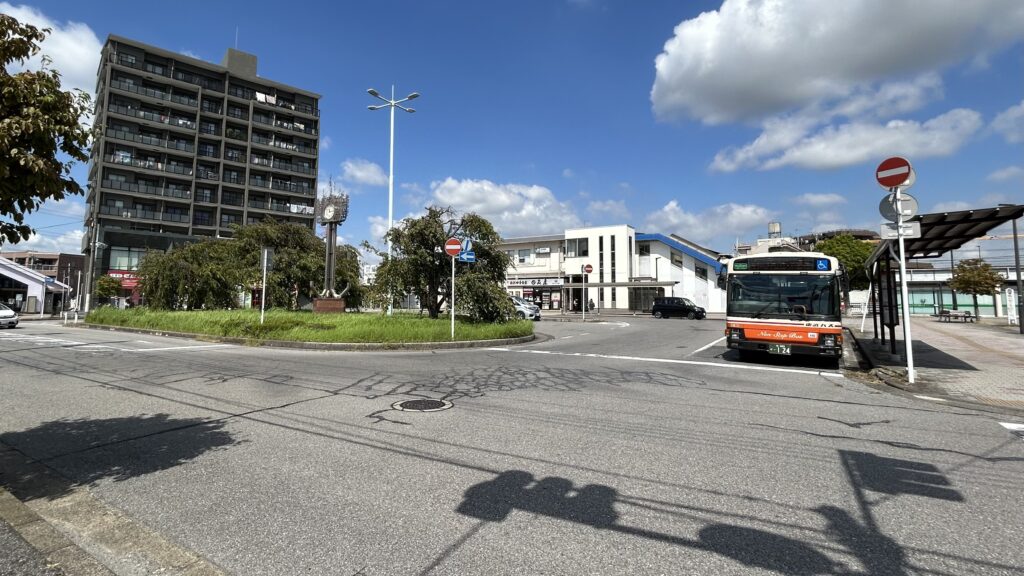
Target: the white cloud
(1005, 174)
(854, 143)
(1010, 123)
(68, 242)
(722, 222)
(750, 59)
(378, 228)
(416, 195)
(513, 209)
(325, 143)
(190, 54)
(360, 171)
(568, 173)
(73, 47)
(817, 200)
(951, 206)
(611, 208)
(67, 208)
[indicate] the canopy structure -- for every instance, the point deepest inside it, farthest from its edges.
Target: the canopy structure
(945, 231)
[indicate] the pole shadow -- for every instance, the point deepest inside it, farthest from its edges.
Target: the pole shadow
(86, 451)
(594, 505)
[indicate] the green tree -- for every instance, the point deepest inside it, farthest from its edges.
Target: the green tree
(975, 277)
(211, 273)
(346, 274)
(107, 287)
(421, 267)
(852, 253)
(298, 263)
(39, 125)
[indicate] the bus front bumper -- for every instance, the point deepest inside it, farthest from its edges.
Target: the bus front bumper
(786, 349)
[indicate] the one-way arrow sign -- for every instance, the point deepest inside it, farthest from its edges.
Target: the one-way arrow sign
(467, 256)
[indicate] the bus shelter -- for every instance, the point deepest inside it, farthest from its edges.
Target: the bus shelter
(940, 233)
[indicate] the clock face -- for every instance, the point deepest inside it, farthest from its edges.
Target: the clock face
(329, 212)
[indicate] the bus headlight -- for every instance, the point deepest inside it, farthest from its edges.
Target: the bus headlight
(828, 340)
(736, 334)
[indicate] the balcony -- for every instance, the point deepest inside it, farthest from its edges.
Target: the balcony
(293, 168)
(234, 178)
(186, 100)
(297, 127)
(206, 174)
(169, 191)
(206, 83)
(149, 140)
(234, 156)
(296, 187)
(270, 100)
(211, 129)
(144, 214)
(152, 116)
(148, 164)
(258, 204)
(290, 146)
(212, 108)
(133, 62)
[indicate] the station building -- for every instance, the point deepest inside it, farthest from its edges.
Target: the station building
(629, 270)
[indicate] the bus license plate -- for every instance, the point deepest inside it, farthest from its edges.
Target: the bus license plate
(778, 349)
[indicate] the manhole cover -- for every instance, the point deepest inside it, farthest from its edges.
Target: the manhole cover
(422, 405)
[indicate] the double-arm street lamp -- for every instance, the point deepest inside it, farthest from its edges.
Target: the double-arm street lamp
(392, 104)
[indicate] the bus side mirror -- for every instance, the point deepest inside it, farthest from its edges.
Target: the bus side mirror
(721, 280)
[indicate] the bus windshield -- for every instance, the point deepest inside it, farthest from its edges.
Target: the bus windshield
(787, 296)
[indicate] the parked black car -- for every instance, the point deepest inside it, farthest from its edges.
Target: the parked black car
(670, 306)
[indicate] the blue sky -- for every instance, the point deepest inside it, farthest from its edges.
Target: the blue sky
(703, 119)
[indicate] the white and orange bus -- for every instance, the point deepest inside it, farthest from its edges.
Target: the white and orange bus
(784, 303)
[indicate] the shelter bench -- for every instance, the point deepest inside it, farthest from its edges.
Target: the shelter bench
(961, 315)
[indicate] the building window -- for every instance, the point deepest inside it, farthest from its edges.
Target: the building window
(677, 259)
(701, 272)
(613, 266)
(643, 248)
(125, 258)
(600, 259)
(524, 257)
(577, 247)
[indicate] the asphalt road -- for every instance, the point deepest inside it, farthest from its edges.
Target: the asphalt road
(632, 446)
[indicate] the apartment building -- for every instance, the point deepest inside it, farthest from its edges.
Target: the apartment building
(187, 148)
(628, 269)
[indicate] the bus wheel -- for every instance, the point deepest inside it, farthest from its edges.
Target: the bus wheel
(690, 316)
(658, 314)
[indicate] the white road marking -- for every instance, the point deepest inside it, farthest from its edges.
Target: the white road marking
(673, 361)
(585, 334)
(932, 398)
(565, 337)
(1012, 426)
(703, 348)
(616, 324)
(176, 348)
(42, 340)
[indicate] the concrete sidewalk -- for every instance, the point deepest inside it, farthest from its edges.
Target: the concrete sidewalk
(980, 363)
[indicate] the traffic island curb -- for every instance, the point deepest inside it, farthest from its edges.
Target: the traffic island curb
(326, 346)
(56, 550)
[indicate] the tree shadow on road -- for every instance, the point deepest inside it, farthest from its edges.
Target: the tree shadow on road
(49, 460)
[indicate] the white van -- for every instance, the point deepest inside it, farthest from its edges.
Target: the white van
(525, 309)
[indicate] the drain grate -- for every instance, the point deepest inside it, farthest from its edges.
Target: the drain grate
(423, 405)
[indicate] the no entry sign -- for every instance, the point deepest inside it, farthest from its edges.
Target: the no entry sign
(453, 246)
(587, 268)
(893, 172)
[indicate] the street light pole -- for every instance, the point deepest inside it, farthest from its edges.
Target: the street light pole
(392, 104)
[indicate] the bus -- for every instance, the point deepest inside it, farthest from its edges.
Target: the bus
(785, 303)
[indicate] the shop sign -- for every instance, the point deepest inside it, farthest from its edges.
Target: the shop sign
(534, 282)
(128, 278)
(546, 250)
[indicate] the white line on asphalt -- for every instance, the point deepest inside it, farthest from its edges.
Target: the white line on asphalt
(616, 324)
(175, 348)
(703, 348)
(673, 361)
(565, 337)
(932, 398)
(584, 333)
(1012, 426)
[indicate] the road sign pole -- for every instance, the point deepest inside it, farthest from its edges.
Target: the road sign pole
(583, 301)
(451, 303)
(263, 295)
(908, 341)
